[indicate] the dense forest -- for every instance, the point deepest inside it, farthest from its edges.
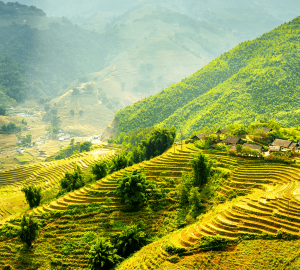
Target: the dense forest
(257, 78)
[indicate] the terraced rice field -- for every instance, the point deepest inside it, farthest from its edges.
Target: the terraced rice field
(47, 175)
(167, 166)
(272, 207)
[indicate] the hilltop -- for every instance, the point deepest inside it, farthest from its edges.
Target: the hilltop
(255, 79)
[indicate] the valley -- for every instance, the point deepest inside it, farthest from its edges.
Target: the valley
(149, 135)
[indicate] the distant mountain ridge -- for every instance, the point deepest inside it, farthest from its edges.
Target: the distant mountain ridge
(257, 78)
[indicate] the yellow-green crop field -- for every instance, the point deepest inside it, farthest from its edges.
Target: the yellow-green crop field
(260, 224)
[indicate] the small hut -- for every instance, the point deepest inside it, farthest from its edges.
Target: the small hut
(233, 140)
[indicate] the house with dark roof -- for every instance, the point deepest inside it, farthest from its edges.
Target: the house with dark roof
(282, 143)
(264, 129)
(202, 136)
(253, 146)
(233, 140)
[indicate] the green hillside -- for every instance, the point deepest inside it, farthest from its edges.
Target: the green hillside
(257, 78)
(257, 228)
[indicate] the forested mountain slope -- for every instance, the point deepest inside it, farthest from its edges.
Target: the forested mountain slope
(256, 78)
(46, 52)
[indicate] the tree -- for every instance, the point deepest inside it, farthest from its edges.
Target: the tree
(134, 189)
(183, 189)
(195, 200)
(201, 165)
(131, 239)
(85, 147)
(100, 169)
(103, 255)
(29, 230)
(33, 195)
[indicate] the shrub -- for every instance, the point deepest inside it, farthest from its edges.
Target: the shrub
(29, 230)
(85, 147)
(100, 169)
(33, 195)
(73, 181)
(103, 255)
(131, 239)
(134, 189)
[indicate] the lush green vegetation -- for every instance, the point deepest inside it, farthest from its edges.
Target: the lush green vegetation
(33, 195)
(103, 255)
(74, 180)
(72, 149)
(134, 189)
(131, 239)
(29, 230)
(258, 78)
(10, 128)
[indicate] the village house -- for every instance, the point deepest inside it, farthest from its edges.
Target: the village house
(202, 136)
(282, 143)
(233, 140)
(264, 129)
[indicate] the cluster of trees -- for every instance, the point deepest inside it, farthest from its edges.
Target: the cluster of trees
(134, 189)
(72, 149)
(10, 128)
(144, 148)
(74, 180)
(189, 190)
